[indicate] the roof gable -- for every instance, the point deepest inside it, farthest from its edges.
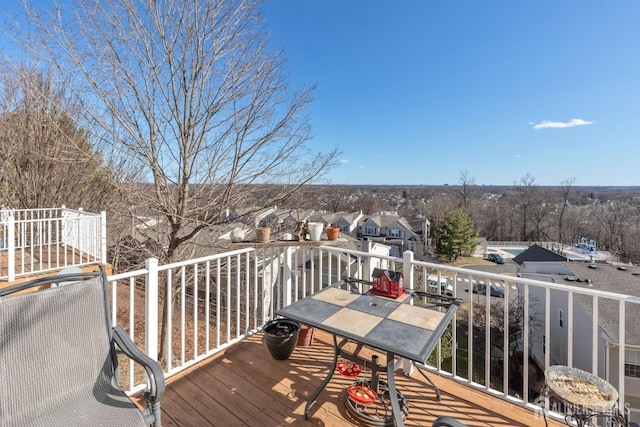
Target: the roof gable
(393, 276)
(372, 220)
(537, 253)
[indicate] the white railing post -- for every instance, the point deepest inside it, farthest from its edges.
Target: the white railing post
(407, 273)
(11, 246)
(407, 269)
(367, 269)
(103, 237)
(621, 353)
(151, 308)
(286, 280)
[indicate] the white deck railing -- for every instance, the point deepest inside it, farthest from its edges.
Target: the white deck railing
(221, 299)
(40, 240)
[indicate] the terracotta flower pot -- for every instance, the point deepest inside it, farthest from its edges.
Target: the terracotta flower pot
(305, 337)
(263, 234)
(332, 233)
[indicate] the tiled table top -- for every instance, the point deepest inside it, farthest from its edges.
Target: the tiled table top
(387, 324)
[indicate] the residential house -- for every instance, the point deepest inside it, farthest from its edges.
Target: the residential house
(422, 227)
(542, 264)
(377, 251)
(392, 230)
(347, 221)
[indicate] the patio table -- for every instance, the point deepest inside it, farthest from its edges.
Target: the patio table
(401, 328)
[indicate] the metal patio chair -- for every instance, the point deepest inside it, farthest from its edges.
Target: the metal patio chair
(447, 422)
(58, 357)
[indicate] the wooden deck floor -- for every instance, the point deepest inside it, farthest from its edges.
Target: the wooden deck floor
(43, 262)
(244, 386)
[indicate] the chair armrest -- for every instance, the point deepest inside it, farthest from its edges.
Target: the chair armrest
(153, 369)
(447, 422)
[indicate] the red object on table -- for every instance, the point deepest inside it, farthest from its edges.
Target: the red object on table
(387, 283)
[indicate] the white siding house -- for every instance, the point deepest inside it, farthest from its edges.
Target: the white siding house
(579, 274)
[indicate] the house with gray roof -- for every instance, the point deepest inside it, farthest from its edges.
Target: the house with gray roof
(538, 255)
(392, 230)
(347, 222)
(542, 264)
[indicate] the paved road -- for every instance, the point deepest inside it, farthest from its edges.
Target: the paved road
(462, 285)
(508, 267)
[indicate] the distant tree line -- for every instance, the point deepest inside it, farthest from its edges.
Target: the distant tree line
(523, 211)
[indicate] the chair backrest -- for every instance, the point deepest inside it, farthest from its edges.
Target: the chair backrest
(51, 341)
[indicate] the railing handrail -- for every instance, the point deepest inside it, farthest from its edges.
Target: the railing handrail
(221, 255)
(46, 239)
(245, 290)
(359, 253)
(524, 280)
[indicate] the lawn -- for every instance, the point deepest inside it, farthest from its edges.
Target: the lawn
(466, 260)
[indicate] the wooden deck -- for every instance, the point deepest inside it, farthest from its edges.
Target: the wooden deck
(244, 386)
(43, 262)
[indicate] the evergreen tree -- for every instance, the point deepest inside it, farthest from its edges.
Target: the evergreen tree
(455, 234)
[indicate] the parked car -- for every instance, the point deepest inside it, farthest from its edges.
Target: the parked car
(496, 258)
(494, 291)
(445, 287)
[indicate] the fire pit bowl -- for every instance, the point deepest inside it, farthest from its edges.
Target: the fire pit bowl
(580, 388)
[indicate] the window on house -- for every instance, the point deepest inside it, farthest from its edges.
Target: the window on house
(544, 344)
(394, 233)
(561, 318)
(370, 231)
(632, 363)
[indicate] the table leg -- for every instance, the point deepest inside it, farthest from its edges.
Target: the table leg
(435, 387)
(316, 393)
(393, 393)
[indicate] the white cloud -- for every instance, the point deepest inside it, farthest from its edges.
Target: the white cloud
(571, 123)
(360, 167)
(344, 161)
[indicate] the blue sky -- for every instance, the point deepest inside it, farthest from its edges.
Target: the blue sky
(414, 92)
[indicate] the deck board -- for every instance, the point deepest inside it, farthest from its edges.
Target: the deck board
(244, 386)
(28, 267)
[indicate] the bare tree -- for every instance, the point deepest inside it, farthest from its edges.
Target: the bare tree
(466, 181)
(336, 197)
(527, 192)
(369, 204)
(615, 221)
(46, 159)
(634, 238)
(438, 206)
(566, 190)
(540, 212)
(578, 221)
(192, 97)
